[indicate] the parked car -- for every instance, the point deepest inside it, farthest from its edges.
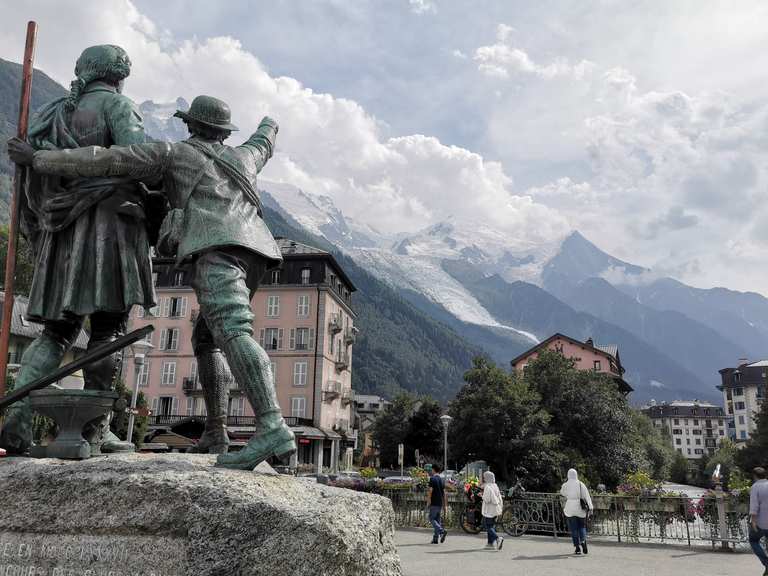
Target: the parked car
(398, 480)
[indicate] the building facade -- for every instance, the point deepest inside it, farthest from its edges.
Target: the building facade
(367, 408)
(743, 391)
(695, 429)
(305, 322)
(587, 355)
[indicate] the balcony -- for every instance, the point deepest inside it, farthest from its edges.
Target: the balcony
(350, 336)
(163, 420)
(342, 425)
(332, 389)
(342, 362)
(334, 324)
(190, 386)
(347, 396)
(295, 421)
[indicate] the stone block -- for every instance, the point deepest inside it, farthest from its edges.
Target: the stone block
(175, 514)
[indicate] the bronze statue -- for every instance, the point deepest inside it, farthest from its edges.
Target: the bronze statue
(216, 224)
(89, 237)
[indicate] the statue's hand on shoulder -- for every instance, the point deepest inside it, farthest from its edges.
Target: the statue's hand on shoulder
(20, 152)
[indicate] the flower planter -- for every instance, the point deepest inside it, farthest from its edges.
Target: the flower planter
(630, 504)
(663, 505)
(602, 502)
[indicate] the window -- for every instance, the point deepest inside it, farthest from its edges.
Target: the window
(298, 406)
(677, 421)
(306, 275)
(597, 365)
(275, 276)
(155, 276)
(688, 441)
(139, 311)
(698, 441)
(742, 420)
(273, 306)
(695, 421)
(743, 434)
(302, 339)
(169, 374)
(178, 307)
(193, 370)
(165, 405)
(678, 441)
(165, 306)
(236, 406)
(144, 374)
(697, 432)
(741, 406)
(302, 306)
(300, 374)
(169, 339)
(689, 451)
(739, 392)
(699, 451)
(722, 433)
(178, 279)
(737, 376)
(677, 431)
(190, 406)
(272, 338)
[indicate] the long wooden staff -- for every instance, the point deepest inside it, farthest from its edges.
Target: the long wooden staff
(13, 230)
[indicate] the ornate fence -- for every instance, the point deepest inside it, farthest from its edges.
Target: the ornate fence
(720, 520)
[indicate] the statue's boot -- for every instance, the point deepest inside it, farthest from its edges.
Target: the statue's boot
(251, 368)
(101, 375)
(41, 358)
(215, 378)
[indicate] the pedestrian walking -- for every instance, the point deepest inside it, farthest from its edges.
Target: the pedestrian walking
(758, 516)
(577, 506)
(492, 506)
(436, 502)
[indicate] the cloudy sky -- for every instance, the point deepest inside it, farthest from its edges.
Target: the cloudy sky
(642, 124)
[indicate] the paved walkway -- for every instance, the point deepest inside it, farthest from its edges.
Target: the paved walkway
(463, 555)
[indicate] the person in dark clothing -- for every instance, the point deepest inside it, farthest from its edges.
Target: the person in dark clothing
(437, 503)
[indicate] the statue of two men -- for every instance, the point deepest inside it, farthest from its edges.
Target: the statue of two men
(216, 227)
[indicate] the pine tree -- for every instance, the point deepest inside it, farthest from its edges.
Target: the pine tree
(755, 453)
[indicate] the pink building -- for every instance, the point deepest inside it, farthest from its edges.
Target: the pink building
(587, 356)
(304, 320)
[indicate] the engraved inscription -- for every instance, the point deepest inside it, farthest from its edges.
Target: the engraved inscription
(34, 554)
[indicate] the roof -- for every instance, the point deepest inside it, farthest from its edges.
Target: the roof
(612, 351)
(684, 409)
(293, 249)
(25, 329)
(758, 364)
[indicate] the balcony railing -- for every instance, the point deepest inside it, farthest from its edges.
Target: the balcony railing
(342, 362)
(232, 421)
(350, 336)
(334, 324)
(188, 385)
(332, 389)
(347, 396)
(342, 425)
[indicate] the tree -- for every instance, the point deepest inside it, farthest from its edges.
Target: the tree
(425, 431)
(726, 458)
(591, 417)
(679, 470)
(392, 427)
(755, 453)
(498, 418)
(654, 445)
(25, 263)
(119, 422)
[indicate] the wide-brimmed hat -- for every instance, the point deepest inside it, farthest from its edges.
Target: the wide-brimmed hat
(209, 111)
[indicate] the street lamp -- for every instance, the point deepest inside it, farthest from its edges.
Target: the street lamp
(446, 420)
(139, 349)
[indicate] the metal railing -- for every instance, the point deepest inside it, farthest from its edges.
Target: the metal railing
(719, 520)
(232, 421)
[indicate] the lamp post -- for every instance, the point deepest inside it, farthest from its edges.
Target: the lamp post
(446, 420)
(139, 350)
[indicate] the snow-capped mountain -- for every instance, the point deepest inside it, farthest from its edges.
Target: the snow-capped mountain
(504, 292)
(159, 120)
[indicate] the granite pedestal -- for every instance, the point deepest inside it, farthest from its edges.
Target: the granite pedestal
(175, 514)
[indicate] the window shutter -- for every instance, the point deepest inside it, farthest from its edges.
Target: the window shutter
(184, 300)
(292, 339)
(163, 335)
(190, 406)
(175, 405)
(165, 307)
(311, 339)
(154, 406)
(280, 332)
(261, 337)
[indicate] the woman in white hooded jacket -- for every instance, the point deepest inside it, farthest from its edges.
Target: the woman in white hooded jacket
(575, 491)
(493, 504)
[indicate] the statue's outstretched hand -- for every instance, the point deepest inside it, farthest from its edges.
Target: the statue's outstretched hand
(20, 152)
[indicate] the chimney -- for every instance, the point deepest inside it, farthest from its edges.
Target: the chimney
(743, 361)
(590, 342)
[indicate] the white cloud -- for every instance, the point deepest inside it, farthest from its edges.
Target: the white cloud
(326, 144)
(422, 6)
(503, 60)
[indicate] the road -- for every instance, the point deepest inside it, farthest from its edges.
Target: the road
(463, 555)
